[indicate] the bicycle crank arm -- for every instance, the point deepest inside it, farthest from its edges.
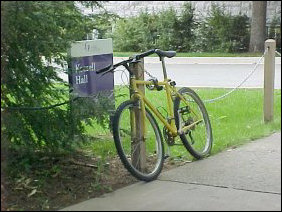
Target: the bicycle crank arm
(186, 128)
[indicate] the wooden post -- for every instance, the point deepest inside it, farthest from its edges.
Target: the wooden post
(269, 73)
(138, 153)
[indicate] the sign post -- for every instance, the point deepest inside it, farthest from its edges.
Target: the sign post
(87, 57)
(95, 91)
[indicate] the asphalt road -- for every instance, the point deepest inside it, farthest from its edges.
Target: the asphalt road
(209, 75)
(205, 72)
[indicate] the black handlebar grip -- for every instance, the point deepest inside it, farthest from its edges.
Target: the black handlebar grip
(145, 54)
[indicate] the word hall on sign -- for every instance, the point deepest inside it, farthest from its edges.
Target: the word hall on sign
(81, 79)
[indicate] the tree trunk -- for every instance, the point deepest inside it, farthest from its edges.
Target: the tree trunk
(258, 26)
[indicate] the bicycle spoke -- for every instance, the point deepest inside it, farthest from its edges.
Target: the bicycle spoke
(194, 124)
(144, 159)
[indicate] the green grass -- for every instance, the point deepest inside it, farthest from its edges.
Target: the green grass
(196, 54)
(236, 120)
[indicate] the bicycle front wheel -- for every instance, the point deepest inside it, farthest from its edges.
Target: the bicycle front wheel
(198, 138)
(143, 158)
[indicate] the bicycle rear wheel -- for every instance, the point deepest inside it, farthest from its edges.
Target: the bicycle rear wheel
(130, 149)
(198, 139)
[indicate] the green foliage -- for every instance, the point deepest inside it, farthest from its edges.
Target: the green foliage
(103, 23)
(150, 32)
(239, 33)
(221, 32)
(167, 21)
(33, 31)
(184, 28)
(128, 35)
(273, 27)
(275, 31)
(165, 30)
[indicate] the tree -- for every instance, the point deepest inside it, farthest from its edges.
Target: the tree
(258, 26)
(186, 25)
(33, 32)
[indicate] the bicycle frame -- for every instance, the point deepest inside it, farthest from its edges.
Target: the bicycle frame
(170, 92)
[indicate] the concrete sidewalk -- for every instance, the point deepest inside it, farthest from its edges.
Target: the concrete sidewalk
(246, 178)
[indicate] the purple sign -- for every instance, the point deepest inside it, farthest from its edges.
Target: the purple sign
(84, 79)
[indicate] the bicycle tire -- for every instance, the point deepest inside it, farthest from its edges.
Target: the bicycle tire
(193, 142)
(123, 150)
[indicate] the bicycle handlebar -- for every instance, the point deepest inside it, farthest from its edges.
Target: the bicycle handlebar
(137, 57)
(145, 54)
(104, 69)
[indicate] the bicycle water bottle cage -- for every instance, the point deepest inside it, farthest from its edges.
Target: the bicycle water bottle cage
(155, 86)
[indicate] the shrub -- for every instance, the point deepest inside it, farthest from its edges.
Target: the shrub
(103, 22)
(149, 29)
(128, 35)
(185, 28)
(239, 33)
(166, 23)
(165, 30)
(221, 32)
(275, 32)
(33, 30)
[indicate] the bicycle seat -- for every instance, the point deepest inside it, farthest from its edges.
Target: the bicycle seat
(168, 54)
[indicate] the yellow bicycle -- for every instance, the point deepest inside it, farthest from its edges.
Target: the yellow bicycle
(137, 136)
